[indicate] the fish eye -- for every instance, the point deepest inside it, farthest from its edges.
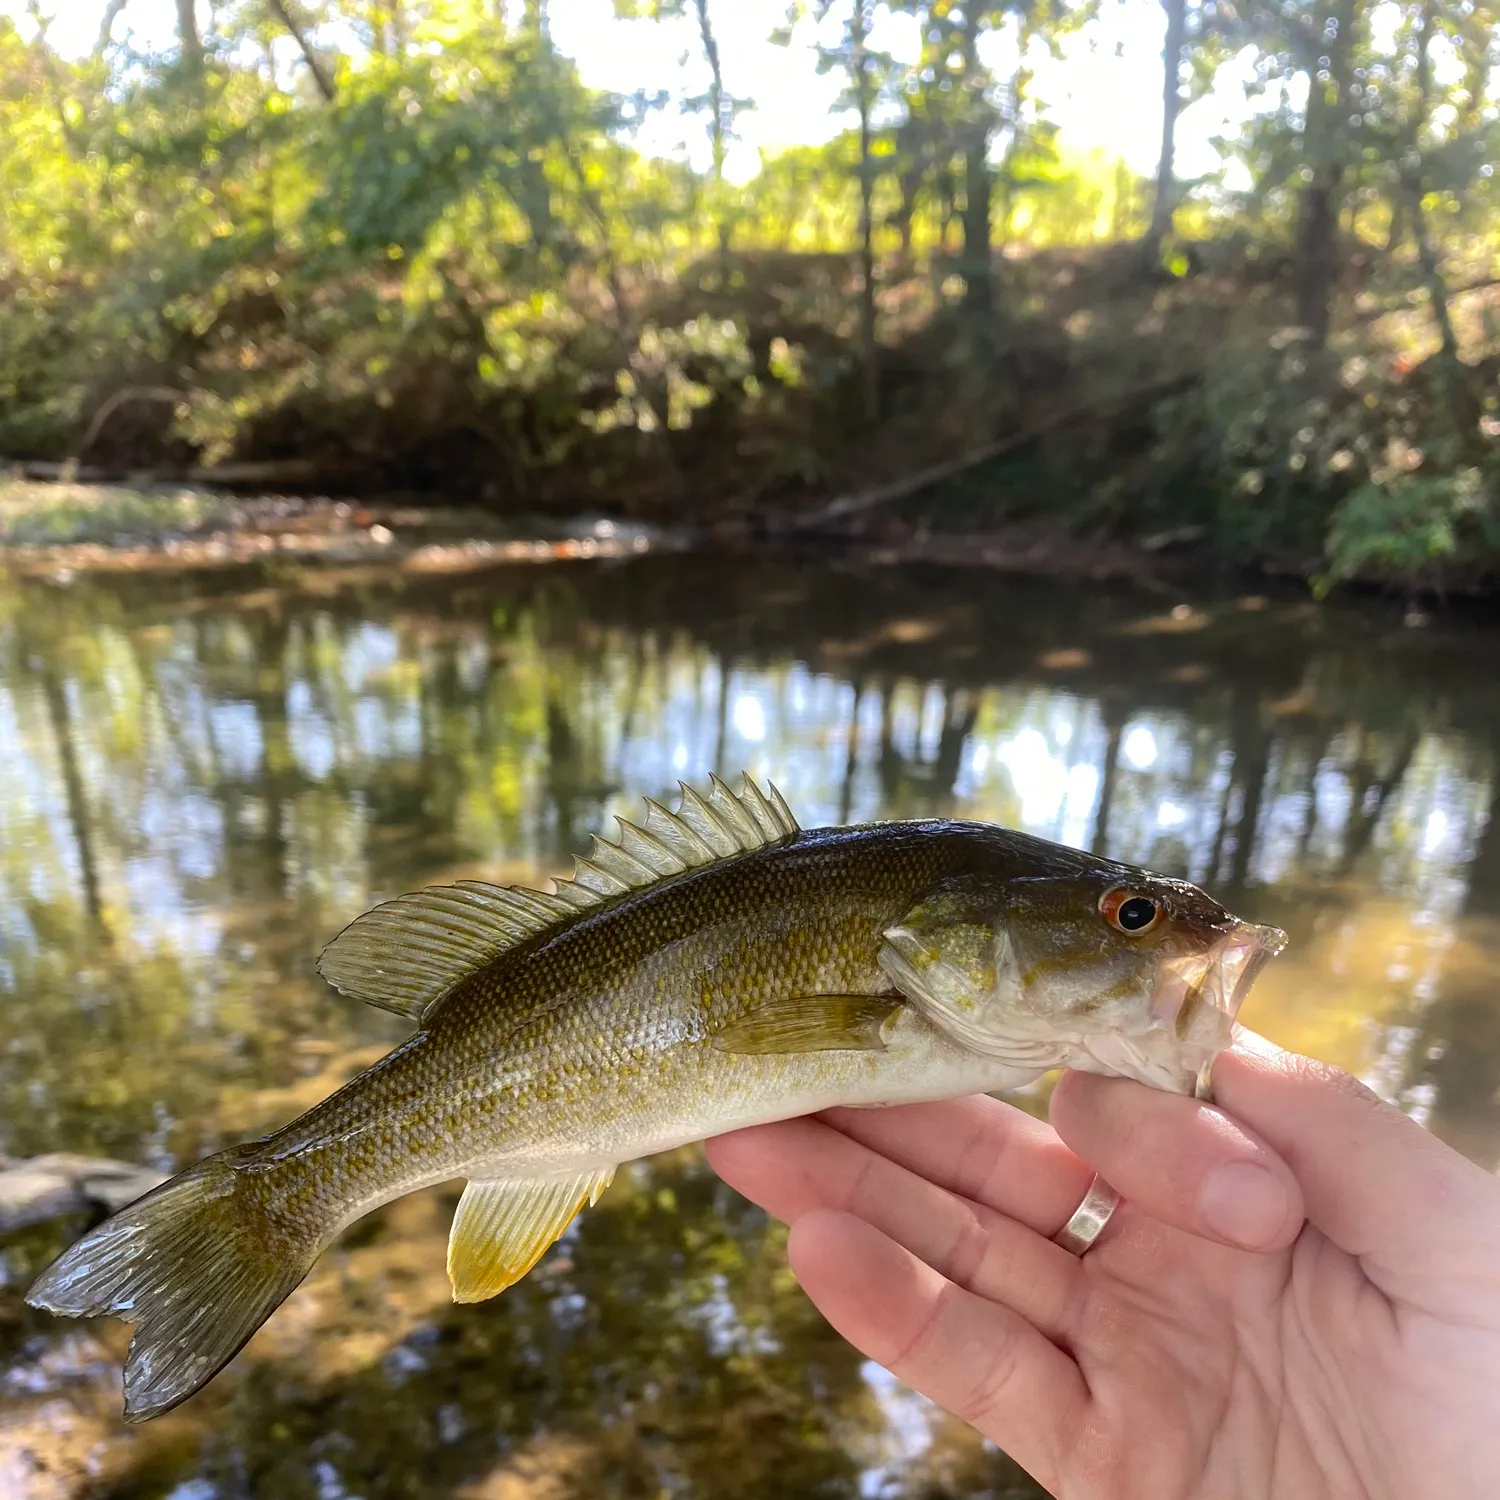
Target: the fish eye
(1130, 912)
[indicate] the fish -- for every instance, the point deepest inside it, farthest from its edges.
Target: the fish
(709, 968)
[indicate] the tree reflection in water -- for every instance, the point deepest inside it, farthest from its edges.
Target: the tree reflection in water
(202, 778)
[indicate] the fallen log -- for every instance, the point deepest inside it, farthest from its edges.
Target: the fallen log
(912, 484)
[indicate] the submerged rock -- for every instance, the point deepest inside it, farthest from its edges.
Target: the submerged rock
(51, 1187)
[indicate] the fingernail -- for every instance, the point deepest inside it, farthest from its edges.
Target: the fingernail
(1244, 1203)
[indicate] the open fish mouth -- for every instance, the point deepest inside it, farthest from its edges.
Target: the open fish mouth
(1198, 997)
(1193, 1009)
(1241, 957)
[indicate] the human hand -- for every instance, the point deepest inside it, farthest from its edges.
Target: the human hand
(1212, 1342)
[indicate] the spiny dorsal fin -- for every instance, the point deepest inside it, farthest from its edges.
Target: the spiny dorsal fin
(406, 954)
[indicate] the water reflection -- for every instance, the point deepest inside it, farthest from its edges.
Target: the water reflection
(201, 779)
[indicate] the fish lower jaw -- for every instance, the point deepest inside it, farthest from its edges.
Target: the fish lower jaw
(1156, 1059)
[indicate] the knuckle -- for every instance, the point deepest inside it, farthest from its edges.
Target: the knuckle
(995, 1149)
(909, 1359)
(861, 1195)
(967, 1250)
(983, 1159)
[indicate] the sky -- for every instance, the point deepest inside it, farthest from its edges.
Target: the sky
(1105, 93)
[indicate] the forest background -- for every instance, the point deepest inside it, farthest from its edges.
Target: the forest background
(400, 245)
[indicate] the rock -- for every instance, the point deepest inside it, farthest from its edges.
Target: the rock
(51, 1187)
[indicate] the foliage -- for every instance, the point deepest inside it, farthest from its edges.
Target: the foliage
(403, 245)
(1366, 465)
(1410, 525)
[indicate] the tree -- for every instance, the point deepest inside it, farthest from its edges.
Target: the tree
(107, 25)
(299, 34)
(869, 73)
(1196, 41)
(1328, 62)
(1171, 107)
(428, 244)
(957, 96)
(716, 103)
(189, 39)
(981, 118)
(1410, 167)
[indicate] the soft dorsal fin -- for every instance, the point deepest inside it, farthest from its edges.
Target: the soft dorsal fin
(406, 954)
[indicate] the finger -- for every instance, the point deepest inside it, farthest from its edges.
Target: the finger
(978, 1359)
(799, 1166)
(1375, 1182)
(981, 1149)
(1181, 1161)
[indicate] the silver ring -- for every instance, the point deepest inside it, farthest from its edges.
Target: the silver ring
(1089, 1218)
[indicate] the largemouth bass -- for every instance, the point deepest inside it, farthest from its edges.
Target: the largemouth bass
(714, 968)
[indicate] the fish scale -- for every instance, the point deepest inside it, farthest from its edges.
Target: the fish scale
(715, 968)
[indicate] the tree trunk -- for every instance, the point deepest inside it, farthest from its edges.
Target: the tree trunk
(979, 299)
(61, 717)
(1171, 107)
(1317, 255)
(1250, 741)
(958, 725)
(1109, 774)
(1366, 812)
(718, 127)
(851, 756)
(189, 41)
(721, 726)
(978, 291)
(1437, 288)
(911, 182)
(870, 375)
(1317, 251)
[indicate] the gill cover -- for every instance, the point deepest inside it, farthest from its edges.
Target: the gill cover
(958, 965)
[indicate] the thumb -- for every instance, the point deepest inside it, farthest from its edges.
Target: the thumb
(1423, 1219)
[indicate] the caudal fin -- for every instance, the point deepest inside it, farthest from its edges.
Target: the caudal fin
(195, 1264)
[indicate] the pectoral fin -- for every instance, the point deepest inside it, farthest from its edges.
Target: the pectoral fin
(811, 1023)
(503, 1227)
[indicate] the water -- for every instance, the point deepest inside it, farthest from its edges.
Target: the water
(203, 777)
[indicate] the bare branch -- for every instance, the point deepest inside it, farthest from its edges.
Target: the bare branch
(309, 56)
(107, 24)
(161, 393)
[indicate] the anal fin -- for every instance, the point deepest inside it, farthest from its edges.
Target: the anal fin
(811, 1023)
(504, 1226)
